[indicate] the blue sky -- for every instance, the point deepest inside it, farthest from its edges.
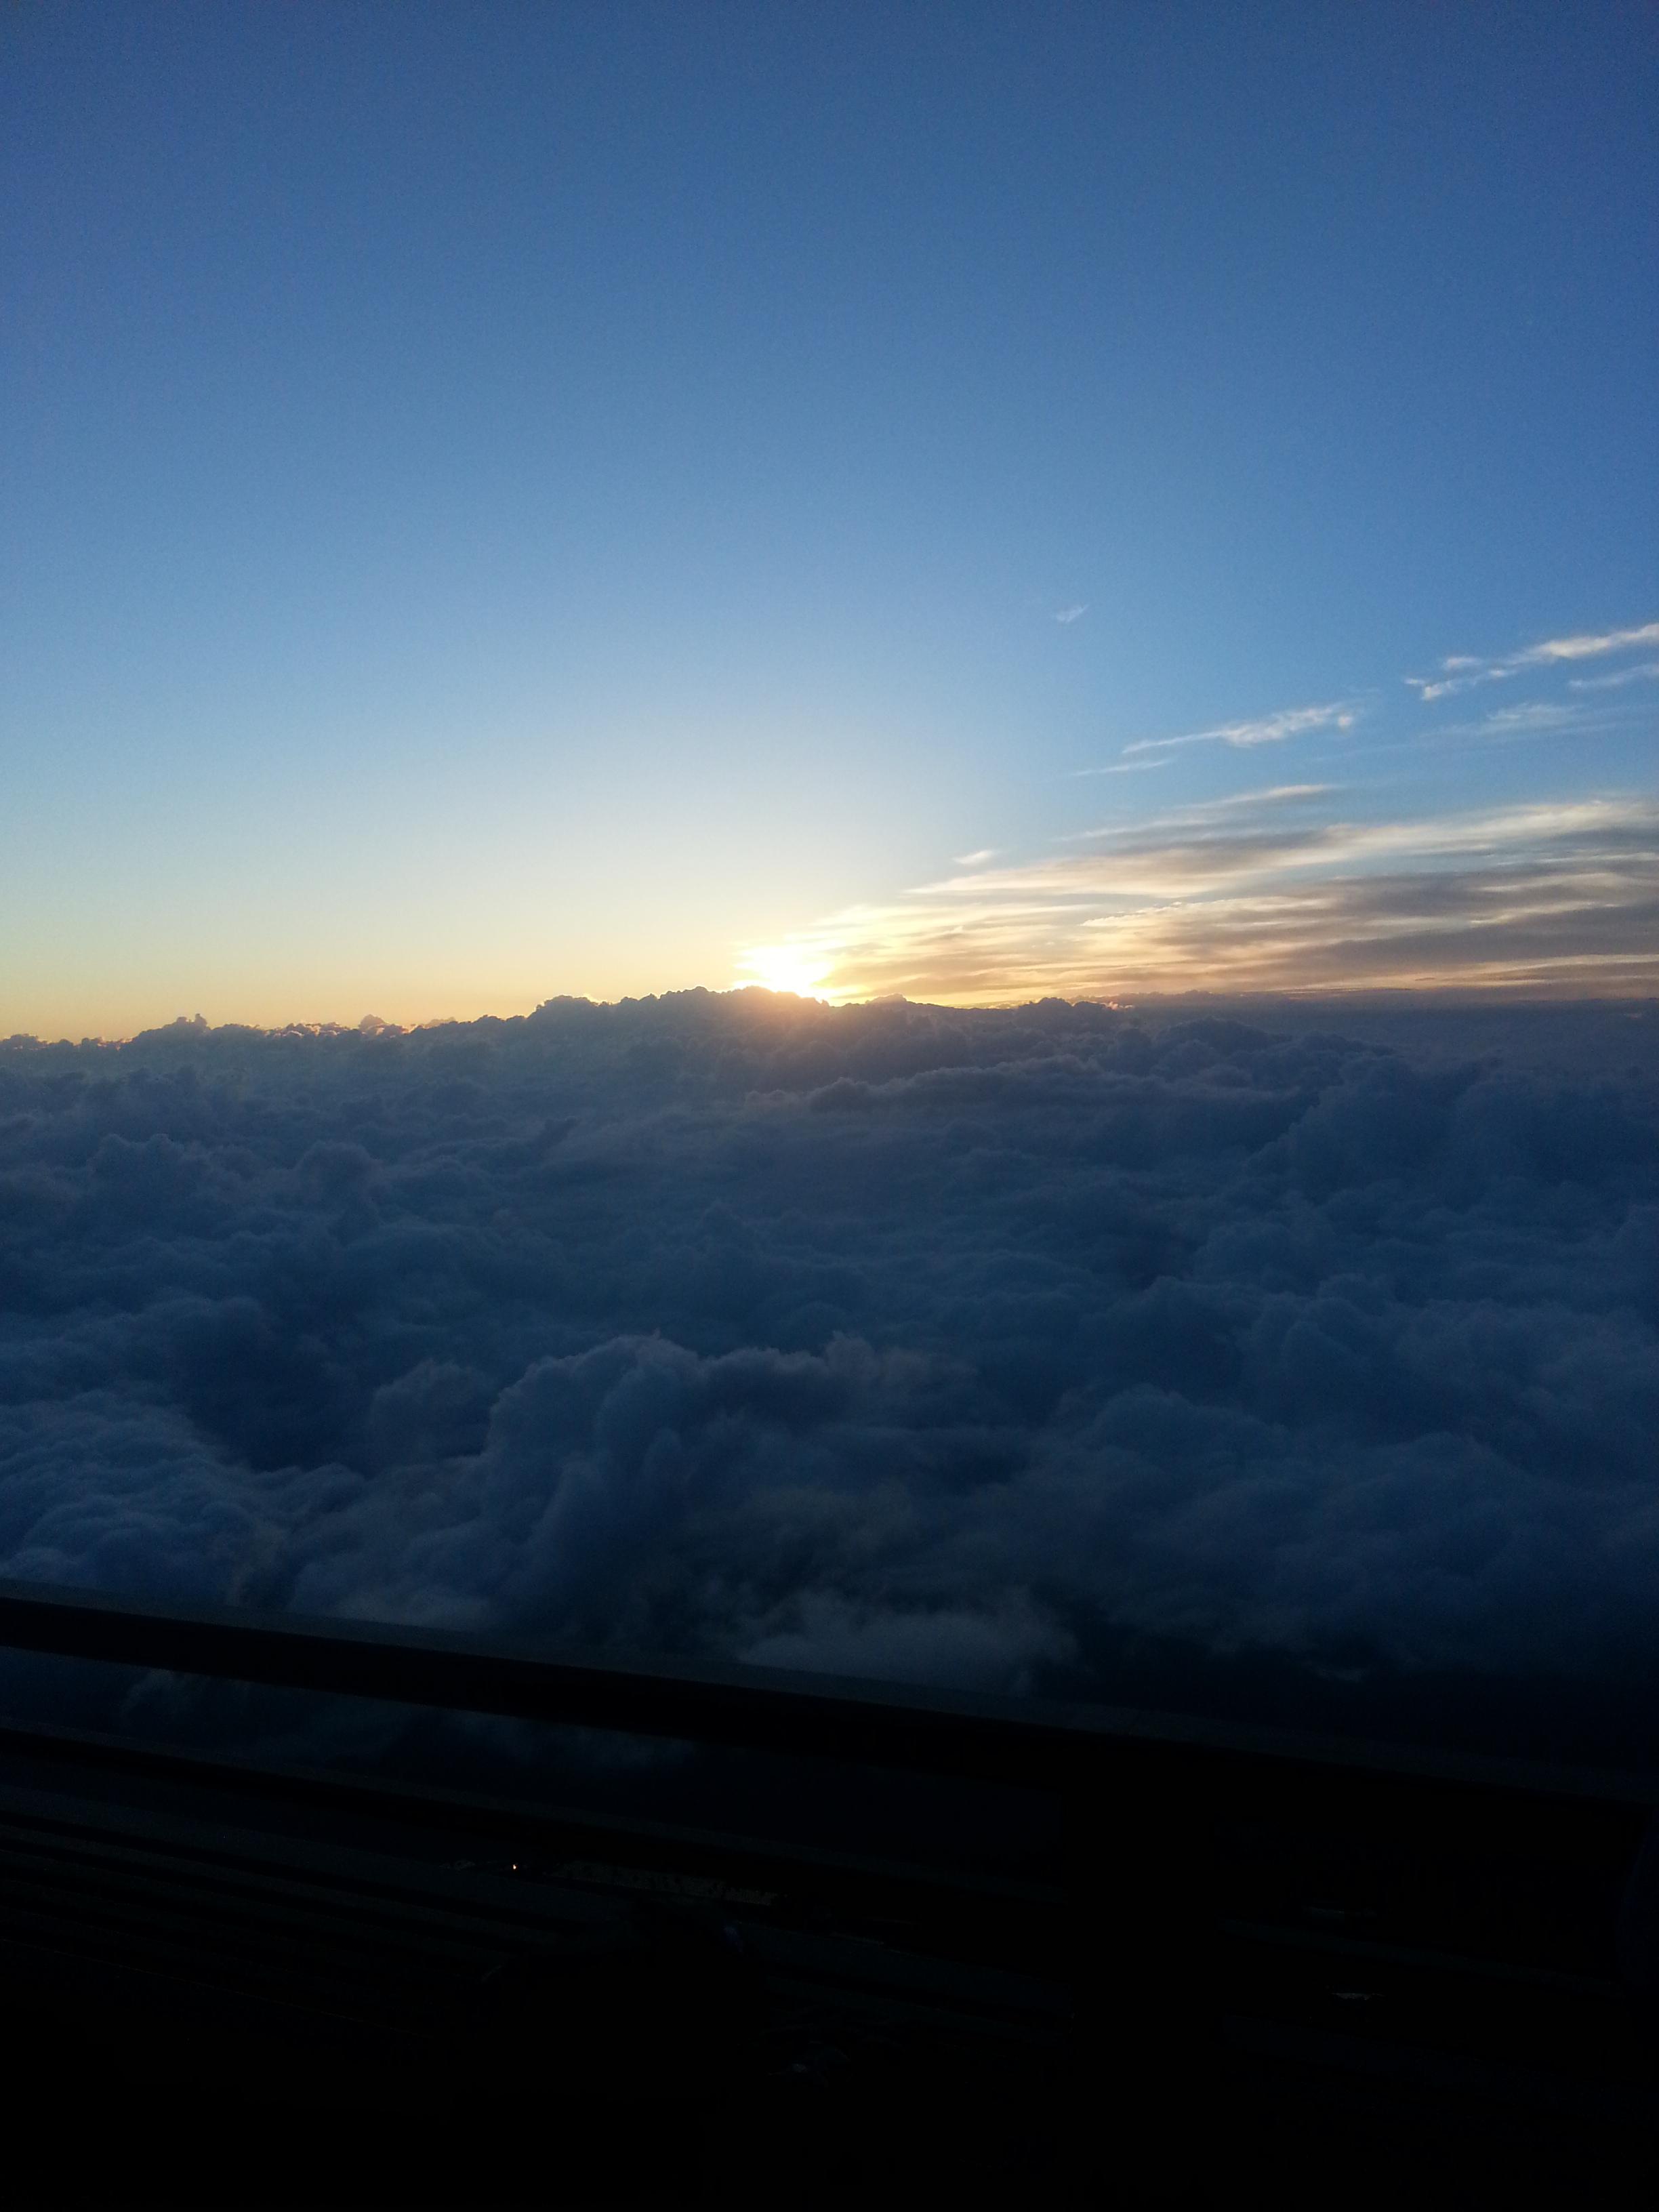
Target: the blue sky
(505, 500)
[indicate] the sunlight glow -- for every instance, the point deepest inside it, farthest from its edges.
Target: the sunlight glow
(787, 968)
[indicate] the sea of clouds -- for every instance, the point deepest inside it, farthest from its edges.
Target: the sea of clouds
(969, 1348)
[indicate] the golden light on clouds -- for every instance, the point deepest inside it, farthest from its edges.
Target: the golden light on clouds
(1274, 892)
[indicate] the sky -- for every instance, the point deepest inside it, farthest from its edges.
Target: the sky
(964, 501)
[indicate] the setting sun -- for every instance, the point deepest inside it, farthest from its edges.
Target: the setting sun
(787, 968)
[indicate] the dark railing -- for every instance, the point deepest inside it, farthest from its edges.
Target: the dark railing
(1029, 1743)
(1162, 1819)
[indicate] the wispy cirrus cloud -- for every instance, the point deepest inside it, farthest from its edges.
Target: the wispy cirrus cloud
(1463, 672)
(1263, 730)
(1583, 710)
(1066, 615)
(1644, 672)
(1296, 888)
(1531, 718)
(1280, 891)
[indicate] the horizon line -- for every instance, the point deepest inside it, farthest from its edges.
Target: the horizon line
(370, 1027)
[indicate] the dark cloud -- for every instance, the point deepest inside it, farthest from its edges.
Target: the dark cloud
(969, 1347)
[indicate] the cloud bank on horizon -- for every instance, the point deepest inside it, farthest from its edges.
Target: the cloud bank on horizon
(1273, 891)
(1304, 884)
(899, 1341)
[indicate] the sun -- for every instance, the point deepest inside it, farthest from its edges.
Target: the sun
(787, 968)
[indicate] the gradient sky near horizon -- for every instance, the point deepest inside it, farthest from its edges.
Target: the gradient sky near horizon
(966, 500)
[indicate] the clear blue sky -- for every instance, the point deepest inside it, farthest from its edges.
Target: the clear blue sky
(513, 498)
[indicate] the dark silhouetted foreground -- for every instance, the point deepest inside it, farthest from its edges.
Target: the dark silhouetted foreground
(1254, 1964)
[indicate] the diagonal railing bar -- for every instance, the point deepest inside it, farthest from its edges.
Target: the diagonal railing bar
(1025, 1742)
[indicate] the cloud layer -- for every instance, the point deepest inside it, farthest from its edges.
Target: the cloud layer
(949, 1347)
